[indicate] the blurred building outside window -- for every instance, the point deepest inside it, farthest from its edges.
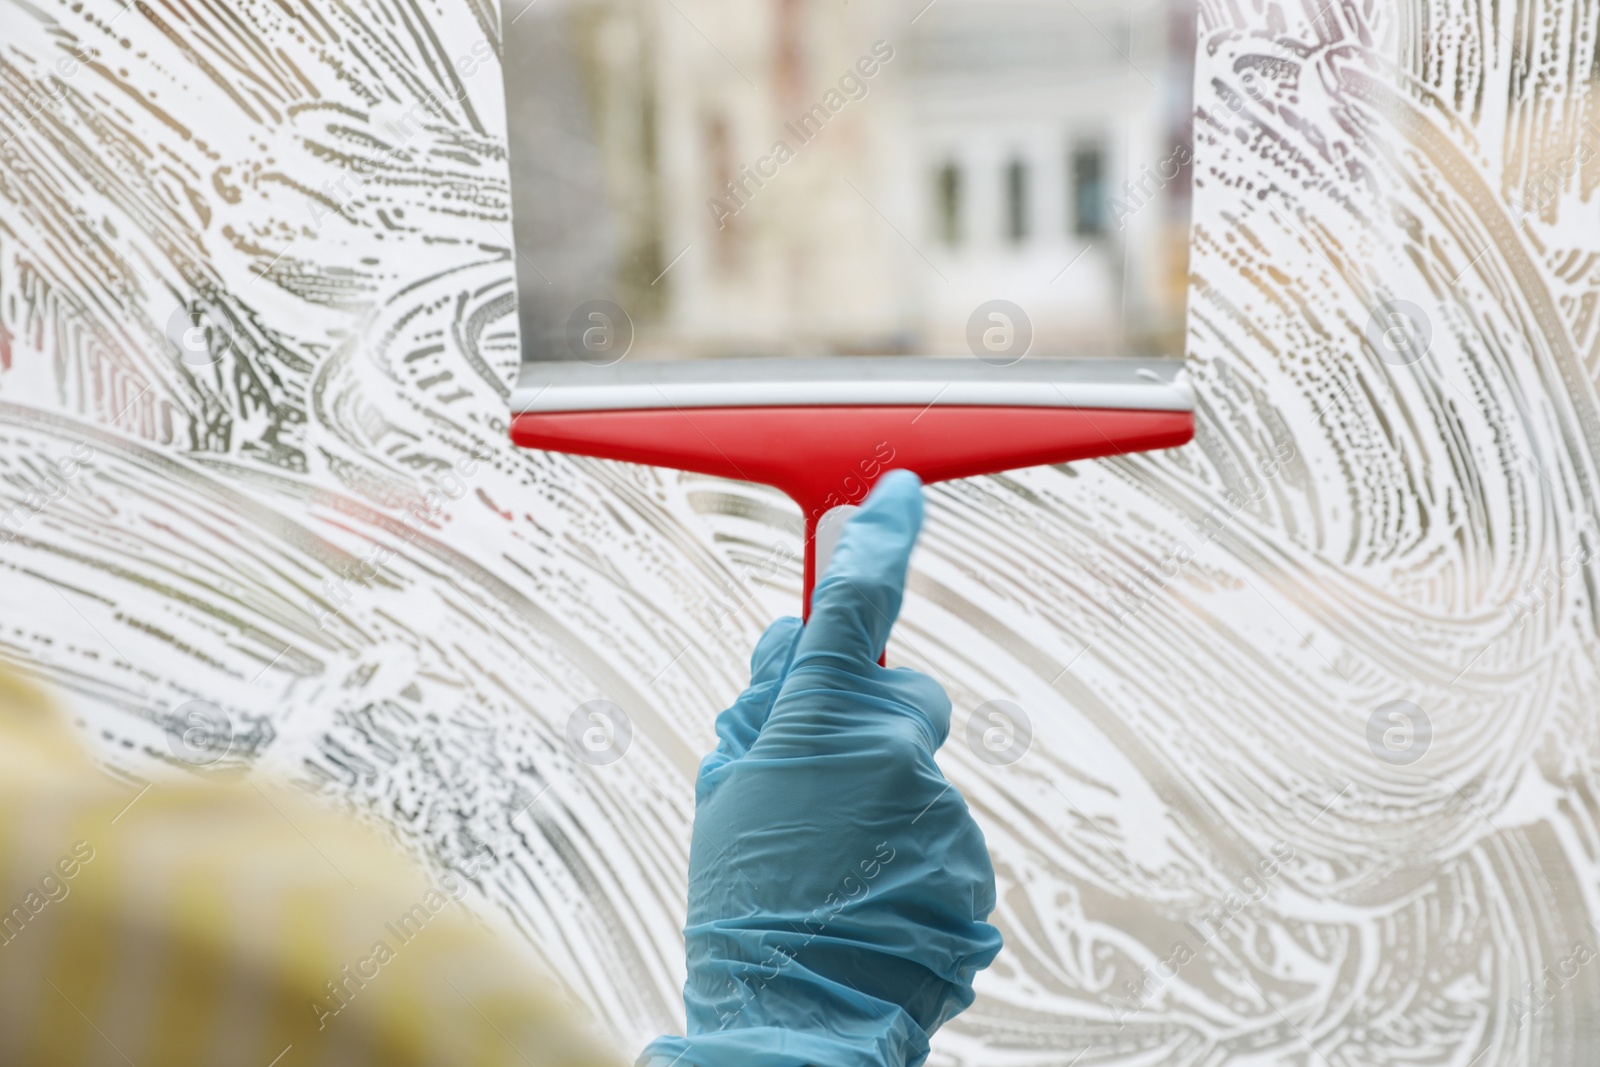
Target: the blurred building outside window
(766, 172)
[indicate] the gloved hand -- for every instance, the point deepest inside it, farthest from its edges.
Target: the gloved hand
(838, 886)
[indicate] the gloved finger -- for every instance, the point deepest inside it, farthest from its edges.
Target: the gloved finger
(854, 605)
(740, 725)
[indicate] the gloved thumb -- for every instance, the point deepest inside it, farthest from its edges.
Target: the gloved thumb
(855, 604)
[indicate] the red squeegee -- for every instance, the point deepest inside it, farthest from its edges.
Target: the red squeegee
(824, 430)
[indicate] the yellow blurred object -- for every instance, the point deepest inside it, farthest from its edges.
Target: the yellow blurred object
(235, 924)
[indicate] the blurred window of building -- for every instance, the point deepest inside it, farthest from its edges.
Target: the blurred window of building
(1088, 190)
(789, 64)
(1017, 201)
(947, 198)
(720, 165)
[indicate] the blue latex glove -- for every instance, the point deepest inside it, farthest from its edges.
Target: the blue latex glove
(838, 886)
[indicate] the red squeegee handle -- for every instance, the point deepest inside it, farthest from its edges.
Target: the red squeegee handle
(825, 456)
